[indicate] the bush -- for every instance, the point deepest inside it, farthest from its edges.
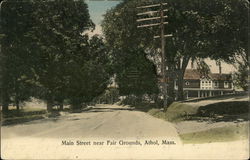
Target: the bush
(22, 113)
(179, 111)
(16, 120)
(224, 108)
(175, 112)
(157, 113)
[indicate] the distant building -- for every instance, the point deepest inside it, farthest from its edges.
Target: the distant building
(196, 85)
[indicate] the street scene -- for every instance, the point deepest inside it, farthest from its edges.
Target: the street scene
(142, 79)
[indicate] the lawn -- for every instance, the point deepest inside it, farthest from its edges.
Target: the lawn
(221, 134)
(226, 112)
(175, 113)
(23, 115)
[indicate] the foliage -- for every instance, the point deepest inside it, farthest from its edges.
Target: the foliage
(200, 28)
(226, 28)
(45, 54)
(15, 57)
(110, 96)
(224, 108)
(242, 75)
(134, 71)
(175, 112)
(89, 75)
(144, 81)
(56, 35)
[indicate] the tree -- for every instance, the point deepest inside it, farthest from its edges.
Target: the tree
(126, 45)
(138, 76)
(15, 56)
(44, 47)
(200, 29)
(56, 35)
(229, 36)
(89, 74)
(242, 75)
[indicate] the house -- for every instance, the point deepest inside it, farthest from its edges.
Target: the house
(213, 84)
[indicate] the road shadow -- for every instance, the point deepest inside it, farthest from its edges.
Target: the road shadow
(233, 111)
(108, 109)
(220, 97)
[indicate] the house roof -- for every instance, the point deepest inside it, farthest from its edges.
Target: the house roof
(218, 76)
(192, 74)
(196, 75)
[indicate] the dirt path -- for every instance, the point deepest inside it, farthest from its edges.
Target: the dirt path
(101, 121)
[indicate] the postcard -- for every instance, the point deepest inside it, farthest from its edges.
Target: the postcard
(124, 79)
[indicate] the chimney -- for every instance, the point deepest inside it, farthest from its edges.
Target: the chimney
(220, 68)
(218, 63)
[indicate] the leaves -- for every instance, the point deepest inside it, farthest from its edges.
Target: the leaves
(43, 46)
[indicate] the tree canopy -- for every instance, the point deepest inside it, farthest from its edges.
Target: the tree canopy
(44, 49)
(200, 28)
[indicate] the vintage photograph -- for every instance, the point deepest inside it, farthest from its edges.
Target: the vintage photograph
(124, 79)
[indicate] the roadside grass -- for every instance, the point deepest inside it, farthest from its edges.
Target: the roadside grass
(23, 112)
(27, 114)
(176, 112)
(23, 115)
(17, 120)
(223, 111)
(221, 134)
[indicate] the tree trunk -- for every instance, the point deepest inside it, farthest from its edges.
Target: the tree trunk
(17, 94)
(5, 107)
(61, 106)
(76, 107)
(180, 95)
(5, 102)
(17, 105)
(49, 104)
(171, 79)
(182, 69)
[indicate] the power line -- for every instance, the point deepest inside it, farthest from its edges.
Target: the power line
(162, 35)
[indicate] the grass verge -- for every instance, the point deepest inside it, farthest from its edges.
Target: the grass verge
(222, 134)
(17, 120)
(179, 112)
(176, 112)
(23, 115)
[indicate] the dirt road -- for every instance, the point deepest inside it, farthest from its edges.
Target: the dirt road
(101, 121)
(42, 139)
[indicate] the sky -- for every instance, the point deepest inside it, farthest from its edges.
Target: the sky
(97, 8)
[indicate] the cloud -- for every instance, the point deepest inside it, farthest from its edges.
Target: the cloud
(98, 30)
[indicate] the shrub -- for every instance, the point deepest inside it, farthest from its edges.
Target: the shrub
(175, 112)
(224, 108)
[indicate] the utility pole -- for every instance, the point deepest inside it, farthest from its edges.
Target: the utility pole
(157, 15)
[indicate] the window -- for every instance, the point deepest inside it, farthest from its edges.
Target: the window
(175, 84)
(202, 84)
(226, 85)
(207, 83)
(216, 84)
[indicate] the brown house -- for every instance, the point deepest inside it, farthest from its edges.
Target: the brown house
(196, 85)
